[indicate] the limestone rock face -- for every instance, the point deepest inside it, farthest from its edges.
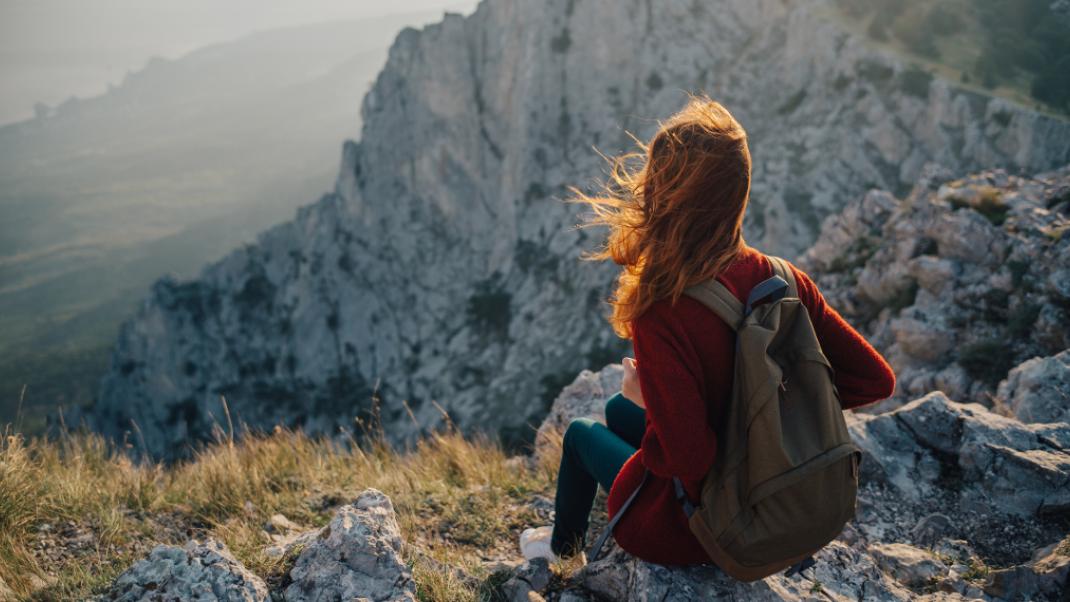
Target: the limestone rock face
(1038, 390)
(958, 283)
(955, 502)
(994, 462)
(199, 571)
(842, 572)
(356, 556)
(907, 564)
(444, 270)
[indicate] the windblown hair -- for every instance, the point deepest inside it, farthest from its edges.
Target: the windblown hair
(674, 209)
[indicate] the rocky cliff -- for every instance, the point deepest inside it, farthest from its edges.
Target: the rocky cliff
(956, 283)
(443, 269)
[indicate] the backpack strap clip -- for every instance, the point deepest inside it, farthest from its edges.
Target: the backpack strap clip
(718, 298)
(681, 496)
(782, 269)
(772, 289)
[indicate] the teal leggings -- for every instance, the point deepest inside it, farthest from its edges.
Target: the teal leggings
(592, 455)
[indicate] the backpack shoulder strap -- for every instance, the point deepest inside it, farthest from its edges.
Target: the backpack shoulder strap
(720, 300)
(783, 269)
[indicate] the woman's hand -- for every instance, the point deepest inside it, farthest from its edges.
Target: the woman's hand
(630, 386)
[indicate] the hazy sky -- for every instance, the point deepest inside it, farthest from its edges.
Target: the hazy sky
(52, 49)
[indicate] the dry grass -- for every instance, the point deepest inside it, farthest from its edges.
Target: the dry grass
(460, 502)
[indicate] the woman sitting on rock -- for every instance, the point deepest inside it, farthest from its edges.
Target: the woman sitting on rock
(675, 222)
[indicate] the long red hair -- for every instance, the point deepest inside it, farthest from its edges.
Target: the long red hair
(674, 209)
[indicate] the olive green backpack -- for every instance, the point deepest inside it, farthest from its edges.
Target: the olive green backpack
(786, 473)
(784, 481)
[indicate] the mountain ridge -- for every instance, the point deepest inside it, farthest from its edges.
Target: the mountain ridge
(443, 269)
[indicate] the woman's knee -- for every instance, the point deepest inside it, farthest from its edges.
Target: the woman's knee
(618, 408)
(578, 430)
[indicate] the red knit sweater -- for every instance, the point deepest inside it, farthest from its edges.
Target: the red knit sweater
(685, 356)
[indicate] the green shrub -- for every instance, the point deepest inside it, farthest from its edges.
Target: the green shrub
(987, 360)
(1022, 318)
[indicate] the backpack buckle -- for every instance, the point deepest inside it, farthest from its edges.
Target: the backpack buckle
(681, 496)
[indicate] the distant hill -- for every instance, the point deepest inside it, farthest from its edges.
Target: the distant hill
(181, 162)
(1016, 48)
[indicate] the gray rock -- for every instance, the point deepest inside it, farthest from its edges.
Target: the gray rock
(1007, 466)
(286, 536)
(1047, 575)
(443, 266)
(356, 556)
(907, 564)
(199, 571)
(528, 582)
(1059, 284)
(284, 544)
(1038, 390)
(535, 573)
(955, 551)
(955, 284)
(931, 529)
(841, 572)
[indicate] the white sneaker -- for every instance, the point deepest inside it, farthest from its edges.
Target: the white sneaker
(535, 543)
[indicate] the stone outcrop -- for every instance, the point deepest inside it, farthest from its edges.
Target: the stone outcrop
(444, 270)
(955, 502)
(842, 572)
(1039, 389)
(528, 581)
(199, 571)
(958, 283)
(996, 466)
(356, 556)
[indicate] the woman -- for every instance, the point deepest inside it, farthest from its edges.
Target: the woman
(674, 222)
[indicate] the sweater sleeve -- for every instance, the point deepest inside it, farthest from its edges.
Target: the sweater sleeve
(863, 376)
(678, 441)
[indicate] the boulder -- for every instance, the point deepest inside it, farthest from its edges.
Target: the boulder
(841, 572)
(1048, 575)
(992, 462)
(199, 571)
(1038, 390)
(356, 556)
(528, 582)
(908, 565)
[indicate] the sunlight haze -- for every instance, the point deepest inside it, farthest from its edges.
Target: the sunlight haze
(53, 49)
